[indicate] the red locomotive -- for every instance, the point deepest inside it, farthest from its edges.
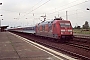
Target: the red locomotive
(57, 29)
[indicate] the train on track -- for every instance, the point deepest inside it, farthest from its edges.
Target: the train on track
(57, 28)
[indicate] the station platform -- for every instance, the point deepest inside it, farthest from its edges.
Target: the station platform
(14, 48)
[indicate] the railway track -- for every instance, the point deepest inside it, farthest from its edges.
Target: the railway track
(76, 49)
(82, 46)
(84, 38)
(81, 43)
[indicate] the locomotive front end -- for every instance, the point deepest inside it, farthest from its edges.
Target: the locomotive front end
(66, 30)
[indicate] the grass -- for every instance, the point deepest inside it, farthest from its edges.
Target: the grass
(81, 31)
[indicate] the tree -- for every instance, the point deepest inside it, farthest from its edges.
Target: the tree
(86, 25)
(77, 27)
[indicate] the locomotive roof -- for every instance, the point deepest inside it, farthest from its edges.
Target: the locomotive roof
(46, 22)
(50, 22)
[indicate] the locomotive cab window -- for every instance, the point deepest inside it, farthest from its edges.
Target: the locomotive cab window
(65, 24)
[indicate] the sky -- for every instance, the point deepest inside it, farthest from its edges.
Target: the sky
(27, 13)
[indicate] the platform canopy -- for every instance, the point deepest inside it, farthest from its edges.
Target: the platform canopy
(2, 28)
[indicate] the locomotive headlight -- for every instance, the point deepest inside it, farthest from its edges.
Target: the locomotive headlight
(69, 30)
(62, 30)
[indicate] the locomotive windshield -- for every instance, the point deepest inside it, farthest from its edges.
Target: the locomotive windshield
(65, 24)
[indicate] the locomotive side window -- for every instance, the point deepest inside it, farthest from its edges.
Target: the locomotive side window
(40, 28)
(50, 27)
(43, 27)
(54, 25)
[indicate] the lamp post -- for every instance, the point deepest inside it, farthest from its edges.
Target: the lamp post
(88, 9)
(66, 15)
(0, 3)
(0, 22)
(0, 15)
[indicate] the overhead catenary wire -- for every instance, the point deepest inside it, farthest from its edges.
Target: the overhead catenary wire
(36, 8)
(26, 12)
(21, 12)
(66, 4)
(61, 9)
(74, 13)
(45, 3)
(36, 4)
(68, 7)
(40, 6)
(10, 10)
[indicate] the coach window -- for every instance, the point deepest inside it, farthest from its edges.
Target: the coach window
(50, 27)
(38, 27)
(43, 27)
